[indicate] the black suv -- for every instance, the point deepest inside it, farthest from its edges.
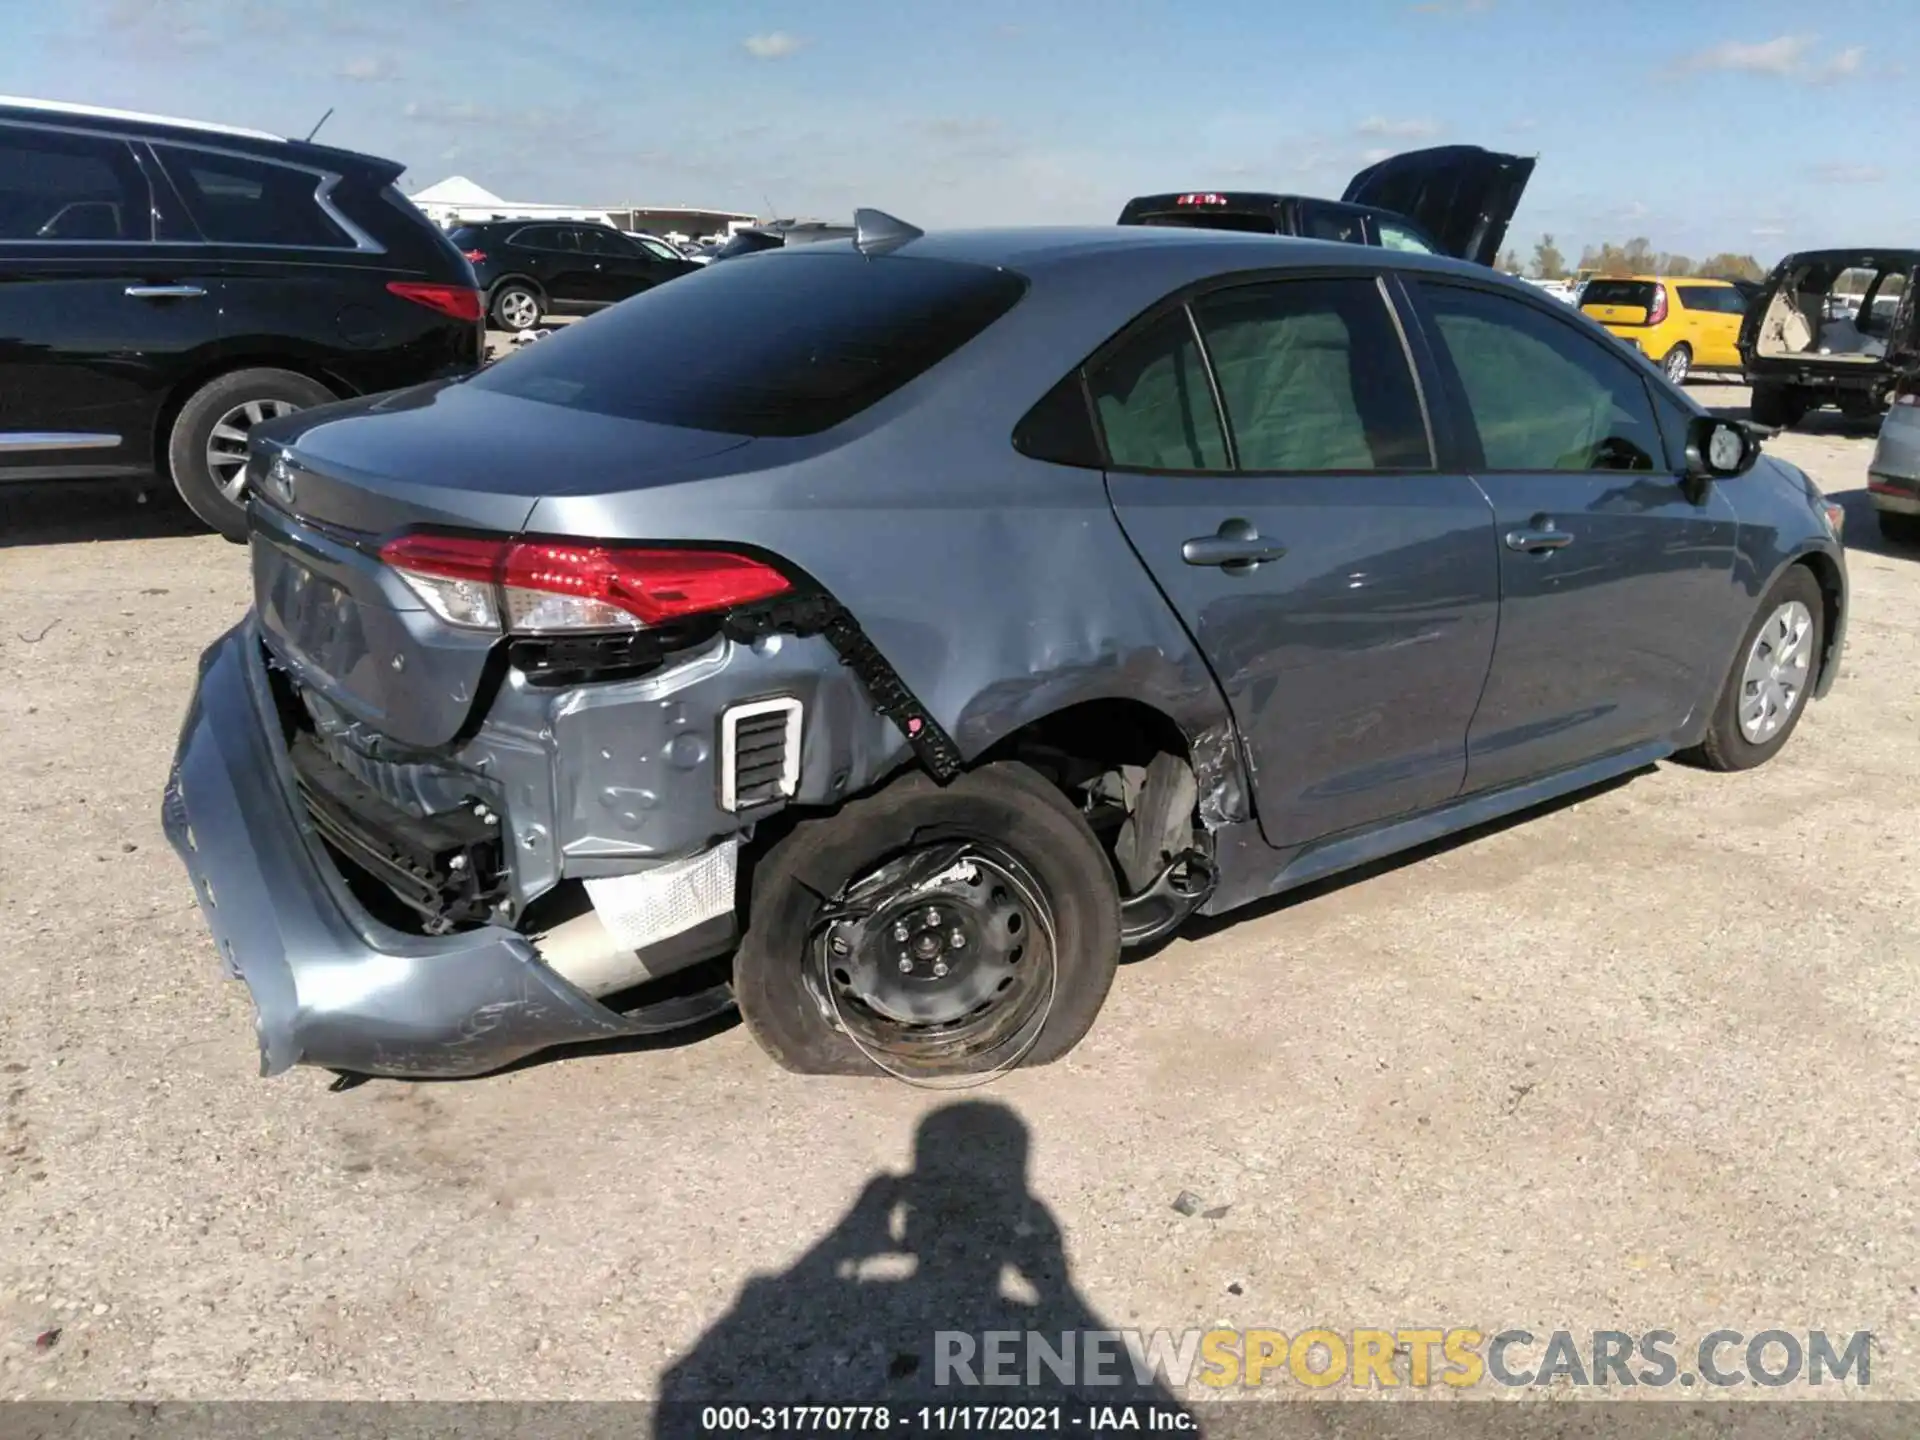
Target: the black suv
(169, 285)
(1450, 200)
(533, 268)
(1831, 327)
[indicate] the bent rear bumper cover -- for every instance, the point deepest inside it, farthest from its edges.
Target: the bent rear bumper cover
(332, 986)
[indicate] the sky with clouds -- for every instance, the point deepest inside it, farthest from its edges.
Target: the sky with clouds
(1702, 125)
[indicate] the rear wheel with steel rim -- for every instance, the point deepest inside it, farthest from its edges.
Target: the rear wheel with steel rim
(1678, 363)
(940, 959)
(933, 933)
(515, 307)
(207, 450)
(1773, 674)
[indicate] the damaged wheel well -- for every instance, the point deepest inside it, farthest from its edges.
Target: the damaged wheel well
(1130, 769)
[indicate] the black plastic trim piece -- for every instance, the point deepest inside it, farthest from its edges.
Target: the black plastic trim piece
(807, 615)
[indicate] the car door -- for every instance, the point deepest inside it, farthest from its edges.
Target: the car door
(1616, 587)
(1460, 195)
(620, 267)
(92, 309)
(1270, 461)
(552, 256)
(1713, 316)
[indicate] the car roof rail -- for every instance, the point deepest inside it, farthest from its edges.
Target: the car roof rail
(876, 233)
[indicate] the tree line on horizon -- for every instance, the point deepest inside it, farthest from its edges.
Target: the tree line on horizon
(1636, 257)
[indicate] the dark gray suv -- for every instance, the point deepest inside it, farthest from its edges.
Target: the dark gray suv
(1011, 598)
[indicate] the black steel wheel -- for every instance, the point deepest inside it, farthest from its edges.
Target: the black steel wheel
(931, 932)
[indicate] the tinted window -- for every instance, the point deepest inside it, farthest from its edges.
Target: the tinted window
(1400, 237)
(1247, 222)
(70, 187)
(831, 334)
(1721, 300)
(746, 242)
(1542, 395)
(604, 242)
(236, 201)
(1323, 222)
(1618, 292)
(1155, 406)
(1313, 377)
(544, 237)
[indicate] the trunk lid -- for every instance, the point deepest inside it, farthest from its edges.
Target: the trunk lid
(1461, 195)
(353, 476)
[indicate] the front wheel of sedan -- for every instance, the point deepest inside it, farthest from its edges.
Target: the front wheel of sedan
(1772, 676)
(932, 933)
(1678, 364)
(207, 451)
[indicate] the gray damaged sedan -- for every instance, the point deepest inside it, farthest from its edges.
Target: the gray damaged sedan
(881, 635)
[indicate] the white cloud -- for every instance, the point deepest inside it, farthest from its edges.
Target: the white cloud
(1780, 56)
(1791, 57)
(772, 45)
(1462, 7)
(1840, 172)
(1524, 124)
(1768, 232)
(1846, 62)
(1397, 129)
(366, 69)
(1374, 156)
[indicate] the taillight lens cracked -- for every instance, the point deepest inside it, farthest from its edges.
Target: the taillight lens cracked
(561, 586)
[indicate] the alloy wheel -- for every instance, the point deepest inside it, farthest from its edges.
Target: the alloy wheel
(519, 310)
(227, 445)
(1678, 363)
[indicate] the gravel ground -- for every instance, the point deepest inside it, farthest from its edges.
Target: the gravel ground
(1646, 1060)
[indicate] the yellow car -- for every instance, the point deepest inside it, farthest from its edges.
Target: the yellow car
(1680, 324)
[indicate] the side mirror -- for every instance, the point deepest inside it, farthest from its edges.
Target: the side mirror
(1717, 450)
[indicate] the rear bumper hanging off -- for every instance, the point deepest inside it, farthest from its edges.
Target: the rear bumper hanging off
(331, 985)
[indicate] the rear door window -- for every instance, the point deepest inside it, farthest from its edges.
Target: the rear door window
(832, 333)
(1542, 395)
(1721, 300)
(1155, 402)
(1314, 377)
(240, 201)
(1325, 222)
(1395, 236)
(1629, 293)
(70, 187)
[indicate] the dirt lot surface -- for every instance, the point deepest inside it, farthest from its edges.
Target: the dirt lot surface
(1649, 1060)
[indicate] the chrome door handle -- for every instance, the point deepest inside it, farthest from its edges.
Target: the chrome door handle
(165, 292)
(1538, 539)
(1236, 546)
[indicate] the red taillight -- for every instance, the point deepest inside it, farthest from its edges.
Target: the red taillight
(476, 256)
(1657, 311)
(537, 586)
(455, 300)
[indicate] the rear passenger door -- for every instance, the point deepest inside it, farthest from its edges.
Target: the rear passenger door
(1714, 313)
(1618, 604)
(552, 256)
(92, 311)
(1271, 463)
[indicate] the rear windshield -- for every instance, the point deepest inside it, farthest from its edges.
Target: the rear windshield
(1251, 222)
(1618, 292)
(745, 243)
(792, 344)
(464, 237)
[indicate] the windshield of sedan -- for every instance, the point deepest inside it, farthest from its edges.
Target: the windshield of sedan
(790, 343)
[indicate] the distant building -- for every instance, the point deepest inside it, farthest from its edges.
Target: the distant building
(459, 201)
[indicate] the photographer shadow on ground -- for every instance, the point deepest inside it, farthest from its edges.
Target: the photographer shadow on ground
(958, 1244)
